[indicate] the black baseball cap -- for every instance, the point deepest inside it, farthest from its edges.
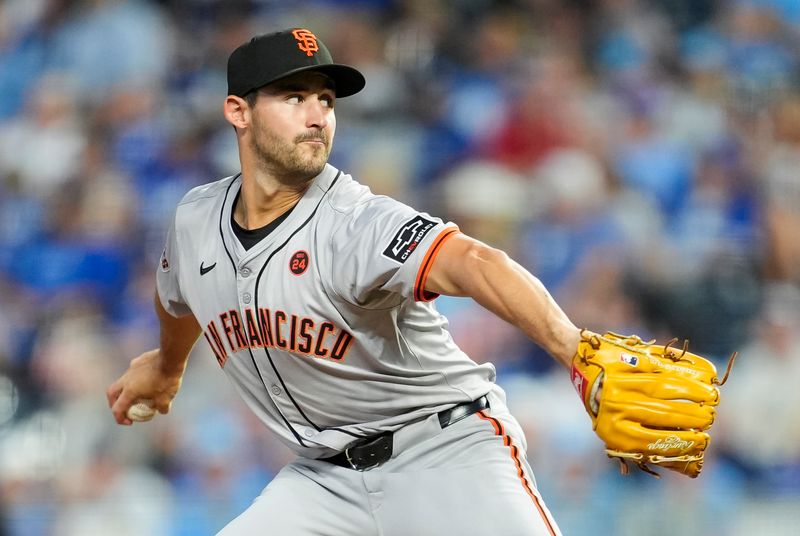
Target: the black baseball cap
(270, 57)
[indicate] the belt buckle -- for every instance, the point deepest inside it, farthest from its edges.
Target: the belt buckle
(383, 451)
(353, 464)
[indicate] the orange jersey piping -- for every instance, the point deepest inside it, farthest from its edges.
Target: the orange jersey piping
(420, 294)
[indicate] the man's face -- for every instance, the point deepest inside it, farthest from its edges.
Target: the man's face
(293, 124)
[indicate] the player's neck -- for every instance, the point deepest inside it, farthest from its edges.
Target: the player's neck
(264, 198)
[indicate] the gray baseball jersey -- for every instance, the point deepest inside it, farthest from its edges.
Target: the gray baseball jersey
(327, 332)
(324, 327)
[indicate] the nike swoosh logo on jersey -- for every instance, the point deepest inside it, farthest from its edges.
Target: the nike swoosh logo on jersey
(205, 270)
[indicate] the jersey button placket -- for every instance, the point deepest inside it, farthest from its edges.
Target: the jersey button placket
(246, 297)
(275, 390)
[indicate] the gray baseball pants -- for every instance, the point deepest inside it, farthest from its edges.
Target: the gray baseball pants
(470, 479)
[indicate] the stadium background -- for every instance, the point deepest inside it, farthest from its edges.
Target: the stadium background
(664, 133)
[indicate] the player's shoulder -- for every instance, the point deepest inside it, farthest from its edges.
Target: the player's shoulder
(203, 202)
(350, 199)
(208, 192)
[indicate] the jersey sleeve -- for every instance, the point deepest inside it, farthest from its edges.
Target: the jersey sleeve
(383, 254)
(167, 277)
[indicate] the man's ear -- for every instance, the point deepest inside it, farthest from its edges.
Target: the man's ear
(236, 111)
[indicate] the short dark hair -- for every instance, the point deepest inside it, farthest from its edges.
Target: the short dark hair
(251, 97)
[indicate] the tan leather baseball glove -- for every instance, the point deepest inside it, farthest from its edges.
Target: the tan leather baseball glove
(651, 404)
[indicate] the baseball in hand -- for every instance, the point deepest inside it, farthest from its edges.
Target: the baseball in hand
(142, 411)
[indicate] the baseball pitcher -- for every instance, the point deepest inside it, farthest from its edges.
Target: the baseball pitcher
(316, 297)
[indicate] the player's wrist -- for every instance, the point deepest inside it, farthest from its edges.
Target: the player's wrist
(168, 366)
(566, 344)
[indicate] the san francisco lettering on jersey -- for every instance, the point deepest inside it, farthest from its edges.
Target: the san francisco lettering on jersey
(230, 333)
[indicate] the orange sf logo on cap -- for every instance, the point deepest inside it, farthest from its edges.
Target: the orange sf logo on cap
(306, 41)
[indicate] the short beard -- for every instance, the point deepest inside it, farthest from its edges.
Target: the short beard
(284, 159)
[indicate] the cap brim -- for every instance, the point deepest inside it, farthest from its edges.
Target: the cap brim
(347, 80)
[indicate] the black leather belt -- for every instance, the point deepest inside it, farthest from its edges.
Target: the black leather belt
(376, 450)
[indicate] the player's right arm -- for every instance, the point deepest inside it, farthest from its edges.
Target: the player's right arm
(156, 374)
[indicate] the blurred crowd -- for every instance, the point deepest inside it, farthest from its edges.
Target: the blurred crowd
(641, 157)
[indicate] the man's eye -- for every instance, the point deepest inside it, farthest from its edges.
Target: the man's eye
(328, 101)
(294, 99)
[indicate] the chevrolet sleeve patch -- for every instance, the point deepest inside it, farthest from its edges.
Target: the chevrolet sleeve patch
(408, 238)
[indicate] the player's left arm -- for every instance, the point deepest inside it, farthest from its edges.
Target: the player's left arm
(466, 267)
(664, 398)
